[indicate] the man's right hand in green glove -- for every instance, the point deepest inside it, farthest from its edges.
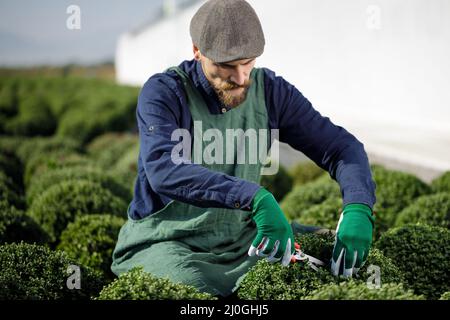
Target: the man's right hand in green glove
(274, 239)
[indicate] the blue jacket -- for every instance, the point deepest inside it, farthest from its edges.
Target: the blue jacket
(162, 108)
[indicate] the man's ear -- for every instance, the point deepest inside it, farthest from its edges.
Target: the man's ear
(196, 52)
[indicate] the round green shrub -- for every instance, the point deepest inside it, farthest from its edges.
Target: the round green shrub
(108, 117)
(325, 214)
(16, 226)
(305, 172)
(47, 179)
(34, 272)
(42, 163)
(278, 184)
(61, 203)
(445, 296)
(430, 209)
(126, 168)
(8, 101)
(91, 240)
(352, 290)
(421, 252)
(12, 167)
(34, 118)
(266, 281)
(395, 191)
(302, 197)
(441, 183)
(9, 192)
(321, 247)
(137, 284)
(32, 147)
(108, 148)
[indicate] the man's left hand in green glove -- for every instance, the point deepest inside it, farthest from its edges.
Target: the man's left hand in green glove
(353, 239)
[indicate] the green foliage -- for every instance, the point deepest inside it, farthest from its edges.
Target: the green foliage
(61, 203)
(108, 148)
(266, 281)
(302, 197)
(421, 252)
(305, 172)
(278, 184)
(395, 191)
(34, 272)
(429, 209)
(42, 163)
(106, 114)
(91, 240)
(11, 167)
(137, 284)
(9, 192)
(34, 118)
(353, 290)
(325, 214)
(36, 146)
(16, 226)
(445, 296)
(441, 183)
(321, 247)
(126, 169)
(42, 182)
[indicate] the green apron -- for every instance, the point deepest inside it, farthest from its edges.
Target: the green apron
(203, 247)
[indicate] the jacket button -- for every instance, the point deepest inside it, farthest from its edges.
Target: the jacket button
(224, 110)
(237, 205)
(150, 128)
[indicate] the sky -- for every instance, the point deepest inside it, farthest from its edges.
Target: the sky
(34, 32)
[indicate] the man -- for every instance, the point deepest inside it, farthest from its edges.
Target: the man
(205, 224)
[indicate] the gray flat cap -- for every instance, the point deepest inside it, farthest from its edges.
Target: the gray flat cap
(227, 30)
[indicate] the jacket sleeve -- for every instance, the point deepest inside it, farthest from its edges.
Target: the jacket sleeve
(331, 147)
(159, 111)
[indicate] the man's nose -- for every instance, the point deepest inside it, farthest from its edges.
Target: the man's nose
(239, 76)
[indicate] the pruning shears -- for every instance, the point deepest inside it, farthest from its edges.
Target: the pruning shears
(299, 255)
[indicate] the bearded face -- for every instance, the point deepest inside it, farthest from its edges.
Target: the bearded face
(230, 80)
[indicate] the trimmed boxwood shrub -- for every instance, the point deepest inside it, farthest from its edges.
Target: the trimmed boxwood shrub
(441, 183)
(325, 215)
(108, 117)
(34, 118)
(137, 284)
(445, 296)
(42, 163)
(16, 226)
(421, 252)
(108, 148)
(12, 167)
(395, 191)
(34, 272)
(61, 203)
(47, 179)
(91, 240)
(266, 281)
(126, 168)
(301, 198)
(321, 247)
(8, 100)
(31, 147)
(278, 184)
(9, 192)
(352, 290)
(305, 172)
(430, 209)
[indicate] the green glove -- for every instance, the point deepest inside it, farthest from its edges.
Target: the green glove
(353, 239)
(274, 239)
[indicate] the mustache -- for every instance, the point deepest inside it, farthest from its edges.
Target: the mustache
(231, 85)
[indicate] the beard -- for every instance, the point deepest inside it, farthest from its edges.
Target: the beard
(227, 98)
